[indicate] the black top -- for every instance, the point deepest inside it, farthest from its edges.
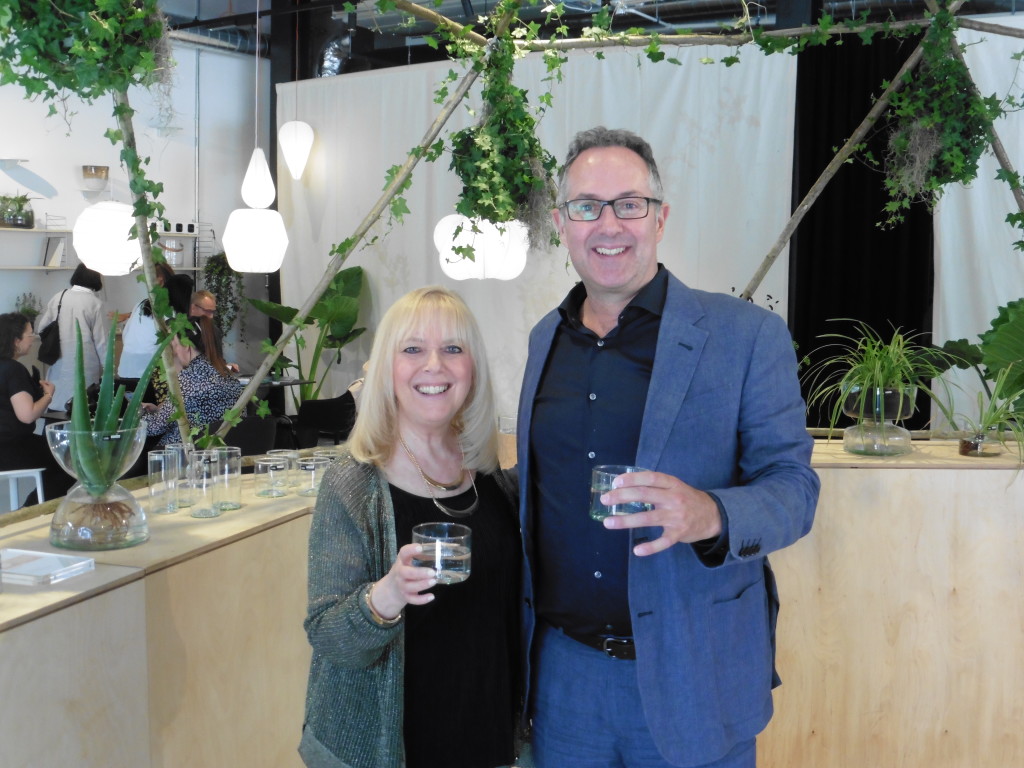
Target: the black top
(462, 649)
(15, 378)
(588, 410)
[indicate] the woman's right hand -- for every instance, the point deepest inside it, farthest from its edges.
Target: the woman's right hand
(403, 584)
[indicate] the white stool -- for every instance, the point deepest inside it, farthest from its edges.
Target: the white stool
(13, 475)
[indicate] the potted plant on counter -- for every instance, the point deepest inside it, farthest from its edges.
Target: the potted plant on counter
(875, 381)
(998, 359)
(97, 448)
(999, 419)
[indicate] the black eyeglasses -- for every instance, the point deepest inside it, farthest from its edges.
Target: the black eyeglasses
(624, 207)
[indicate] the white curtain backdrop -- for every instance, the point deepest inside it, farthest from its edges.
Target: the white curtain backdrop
(723, 137)
(977, 269)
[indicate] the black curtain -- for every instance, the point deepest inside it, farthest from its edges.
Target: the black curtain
(842, 263)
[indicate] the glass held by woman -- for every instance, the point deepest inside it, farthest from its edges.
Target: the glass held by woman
(407, 670)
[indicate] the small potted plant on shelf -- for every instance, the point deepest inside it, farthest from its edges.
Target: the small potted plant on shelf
(16, 211)
(875, 381)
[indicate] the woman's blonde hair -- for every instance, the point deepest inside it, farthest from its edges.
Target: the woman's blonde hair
(375, 433)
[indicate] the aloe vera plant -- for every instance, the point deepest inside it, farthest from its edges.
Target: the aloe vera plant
(97, 459)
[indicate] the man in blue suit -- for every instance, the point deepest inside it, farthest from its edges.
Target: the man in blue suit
(651, 635)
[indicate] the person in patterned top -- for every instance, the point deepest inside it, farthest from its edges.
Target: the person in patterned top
(207, 387)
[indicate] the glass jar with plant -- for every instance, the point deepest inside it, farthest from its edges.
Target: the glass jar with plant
(999, 419)
(97, 448)
(875, 381)
(16, 211)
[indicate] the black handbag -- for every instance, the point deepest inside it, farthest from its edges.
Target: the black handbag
(49, 339)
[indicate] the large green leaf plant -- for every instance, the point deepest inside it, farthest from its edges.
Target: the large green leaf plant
(333, 318)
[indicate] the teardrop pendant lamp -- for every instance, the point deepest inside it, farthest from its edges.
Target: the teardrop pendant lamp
(255, 238)
(296, 136)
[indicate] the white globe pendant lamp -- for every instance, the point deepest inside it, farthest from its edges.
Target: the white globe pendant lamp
(101, 238)
(296, 140)
(499, 250)
(255, 240)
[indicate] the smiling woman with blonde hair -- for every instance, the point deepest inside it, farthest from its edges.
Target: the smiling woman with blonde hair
(403, 673)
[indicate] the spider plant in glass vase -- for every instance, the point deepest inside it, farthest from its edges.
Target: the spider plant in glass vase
(999, 419)
(876, 382)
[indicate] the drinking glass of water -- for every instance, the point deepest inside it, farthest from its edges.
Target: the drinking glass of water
(601, 482)
(446, 548)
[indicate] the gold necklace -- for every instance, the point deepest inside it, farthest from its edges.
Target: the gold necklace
(446, 487)
(457, 513)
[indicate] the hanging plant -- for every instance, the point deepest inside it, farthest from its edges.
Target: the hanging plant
(226, 284)
(941, 125)
(506, 173)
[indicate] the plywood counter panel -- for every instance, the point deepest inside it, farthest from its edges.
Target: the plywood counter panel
(187, 650)
(74, 685)
(228, 655)
(901, 637)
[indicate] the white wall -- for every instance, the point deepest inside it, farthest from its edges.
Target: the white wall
(200, 158)
(723, 138)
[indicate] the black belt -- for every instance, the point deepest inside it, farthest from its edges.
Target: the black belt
(616, 647)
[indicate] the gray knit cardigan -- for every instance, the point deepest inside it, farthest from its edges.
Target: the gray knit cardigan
(354, 697)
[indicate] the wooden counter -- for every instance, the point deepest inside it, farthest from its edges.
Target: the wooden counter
(901, 636)
(185, 650)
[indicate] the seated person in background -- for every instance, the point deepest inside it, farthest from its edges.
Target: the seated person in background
(207, 387)
(23, 400)
(204, 304)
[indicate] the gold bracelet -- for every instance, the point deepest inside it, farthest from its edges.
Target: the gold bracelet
(379, 620)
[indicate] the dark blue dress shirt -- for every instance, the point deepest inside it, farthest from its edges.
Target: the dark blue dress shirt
(588, 410)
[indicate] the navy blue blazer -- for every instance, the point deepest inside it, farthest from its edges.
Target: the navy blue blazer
(724, 414)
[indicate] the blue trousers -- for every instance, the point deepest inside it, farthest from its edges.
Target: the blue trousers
(587, 712)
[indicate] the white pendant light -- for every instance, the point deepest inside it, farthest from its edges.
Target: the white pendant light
(100, 236)
(499, 250)
(255, 240)
(258, 185)
(296, 140)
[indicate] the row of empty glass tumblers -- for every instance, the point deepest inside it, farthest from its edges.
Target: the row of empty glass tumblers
(209, 482)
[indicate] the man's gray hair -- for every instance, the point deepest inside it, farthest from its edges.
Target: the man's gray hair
(600, 136)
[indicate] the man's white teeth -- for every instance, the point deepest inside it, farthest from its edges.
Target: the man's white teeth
(609, 251)
(435, 390)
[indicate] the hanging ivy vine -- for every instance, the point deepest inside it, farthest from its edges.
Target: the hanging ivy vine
(505, 171)
(226, 284)
(941, 125)
(91, 50)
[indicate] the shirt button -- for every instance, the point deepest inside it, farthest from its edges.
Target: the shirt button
(591, 455)
(597, 574)
(593, 396)
(600, 342)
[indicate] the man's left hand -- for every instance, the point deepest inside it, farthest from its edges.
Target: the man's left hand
(685, 514)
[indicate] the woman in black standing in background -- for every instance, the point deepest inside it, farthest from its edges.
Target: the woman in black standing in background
(23, 399)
